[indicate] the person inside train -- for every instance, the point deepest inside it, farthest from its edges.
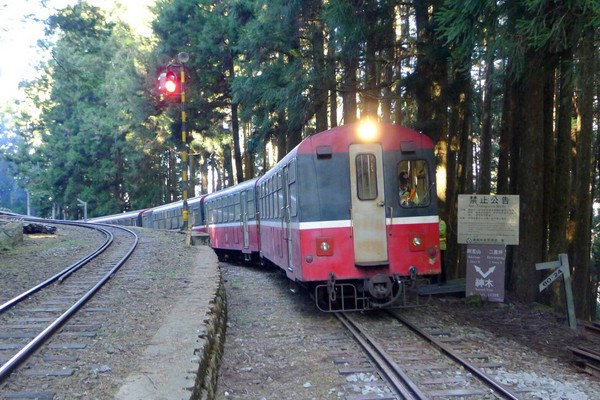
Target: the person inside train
(408, 195)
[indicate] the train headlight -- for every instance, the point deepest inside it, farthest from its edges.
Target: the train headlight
(367, 130)
(415, 241)
(324, 247)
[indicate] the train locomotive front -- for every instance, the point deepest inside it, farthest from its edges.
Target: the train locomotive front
(352, 213)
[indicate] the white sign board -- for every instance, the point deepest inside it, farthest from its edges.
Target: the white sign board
(488, 219)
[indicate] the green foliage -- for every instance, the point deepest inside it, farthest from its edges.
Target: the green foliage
(89, 138)
(514, 28)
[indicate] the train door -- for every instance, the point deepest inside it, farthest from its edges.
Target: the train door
(286, 217)
(368, 204)
(244, 217)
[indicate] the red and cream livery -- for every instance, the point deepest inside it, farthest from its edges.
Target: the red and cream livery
(350, 213)
(331, 214)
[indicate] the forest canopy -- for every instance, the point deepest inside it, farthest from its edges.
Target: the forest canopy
(507, 90)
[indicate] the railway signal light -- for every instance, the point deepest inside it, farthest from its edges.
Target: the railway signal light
(169, 86)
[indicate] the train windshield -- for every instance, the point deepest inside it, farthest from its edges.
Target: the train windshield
(414, 183)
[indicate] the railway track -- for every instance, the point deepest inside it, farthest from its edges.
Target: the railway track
(587, 359)
(421, 362)
(279, 346)
(41, 316)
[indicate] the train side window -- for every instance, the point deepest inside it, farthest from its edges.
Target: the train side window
(279, 203)
(292, 171)
(261, 194)
(366, 176)
(414, 185)
(230, 208)
(293, 199)
(237, 209)
(271, 198)
(251, 210)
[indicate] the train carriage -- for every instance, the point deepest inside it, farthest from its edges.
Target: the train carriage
(129, 218)
(170, 216)
(232, 221)
(332, 215)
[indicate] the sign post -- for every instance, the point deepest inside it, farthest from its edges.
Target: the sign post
(561, 269)
(83, 204)
(487, 223)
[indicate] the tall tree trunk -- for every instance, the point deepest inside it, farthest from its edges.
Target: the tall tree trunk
(530, 168)
(227, 166)
(404, 63)
(318, 48)
(559, 211)
(458, 148)
(431, 89)
(203, 166)
(370, 95)
(332, 84)
(172, 180)
(509, 107)
(386, 95)
(349, 88)
(249, 156)
(583, 202)
(549, 150)
(235, 130)
(192, 180)
(424, 68)
(485, 167)
(281, 133)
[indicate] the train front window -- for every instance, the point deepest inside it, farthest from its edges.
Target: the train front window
(366, 176)
(414, 187)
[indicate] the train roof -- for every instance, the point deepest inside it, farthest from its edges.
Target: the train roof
(338, 140)
(127, 214)
(391, 136)
(233, 189)
(176, 204)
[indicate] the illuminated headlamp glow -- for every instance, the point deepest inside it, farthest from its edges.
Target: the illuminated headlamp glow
(367, 130)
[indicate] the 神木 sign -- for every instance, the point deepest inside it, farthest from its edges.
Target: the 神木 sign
(485, 271)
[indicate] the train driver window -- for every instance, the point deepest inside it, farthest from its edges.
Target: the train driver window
(413, 183)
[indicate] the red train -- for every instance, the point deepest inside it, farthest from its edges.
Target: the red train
(351, 213)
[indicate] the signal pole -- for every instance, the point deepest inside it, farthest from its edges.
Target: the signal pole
(172, 89)
(184, 57)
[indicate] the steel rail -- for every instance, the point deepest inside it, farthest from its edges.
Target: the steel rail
(400, 382)
(22, 355)
(67, 271)
(488, 380)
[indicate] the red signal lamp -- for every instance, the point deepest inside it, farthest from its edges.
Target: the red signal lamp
(169, 85)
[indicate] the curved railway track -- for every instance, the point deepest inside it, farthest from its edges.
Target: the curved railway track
(418, 362)
(32, 317)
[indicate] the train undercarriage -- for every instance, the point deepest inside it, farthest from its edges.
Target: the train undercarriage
(378, 292)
